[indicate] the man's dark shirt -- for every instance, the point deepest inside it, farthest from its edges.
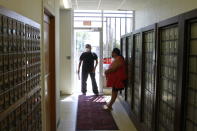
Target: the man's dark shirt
(88, 61)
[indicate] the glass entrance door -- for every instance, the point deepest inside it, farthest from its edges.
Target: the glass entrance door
(81, 38)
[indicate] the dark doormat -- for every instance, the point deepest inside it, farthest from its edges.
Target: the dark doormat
(91, 116)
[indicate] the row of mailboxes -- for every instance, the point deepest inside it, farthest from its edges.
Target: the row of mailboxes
(33, 83)
(11, 26)
(164, 74)
(33, 101)
(33, 70)
(34, 119)
(11, 96)
(15, 44)
(12, 79)
(13, 72)
(15, 36)
(11, 62)
(12, 90)
(25, 117)
(33, 57)
(20, 100)
(14, 27)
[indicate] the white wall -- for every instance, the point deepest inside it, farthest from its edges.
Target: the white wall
(66, 51)
(156, 10)
(28, 8)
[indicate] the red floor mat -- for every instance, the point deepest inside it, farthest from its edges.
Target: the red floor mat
(91, 116)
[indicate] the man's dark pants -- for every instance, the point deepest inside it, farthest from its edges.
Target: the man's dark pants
(84, 80)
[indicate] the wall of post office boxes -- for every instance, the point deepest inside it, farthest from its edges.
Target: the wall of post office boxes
(20, 99)
(124, 46)
(162, 74)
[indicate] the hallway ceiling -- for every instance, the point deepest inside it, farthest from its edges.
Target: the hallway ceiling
(106, 4)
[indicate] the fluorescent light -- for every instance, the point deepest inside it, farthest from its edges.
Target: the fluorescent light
(67, 4)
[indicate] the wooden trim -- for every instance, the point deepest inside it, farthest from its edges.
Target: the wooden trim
(18, 17)
(52, 67)
(50, 19)
(46, 19)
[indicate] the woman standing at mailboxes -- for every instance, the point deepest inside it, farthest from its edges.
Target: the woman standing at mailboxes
(115, 75)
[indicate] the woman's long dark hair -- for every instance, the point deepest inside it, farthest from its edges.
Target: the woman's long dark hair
(117, 51)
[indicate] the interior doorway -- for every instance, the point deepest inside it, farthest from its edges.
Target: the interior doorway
(83, 36)
(49, 72)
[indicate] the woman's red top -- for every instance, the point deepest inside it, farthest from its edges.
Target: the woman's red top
(116, 79)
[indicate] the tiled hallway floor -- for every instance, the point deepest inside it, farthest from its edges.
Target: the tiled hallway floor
(69, 112)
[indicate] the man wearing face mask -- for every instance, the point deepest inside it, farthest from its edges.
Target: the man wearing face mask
(88, 67)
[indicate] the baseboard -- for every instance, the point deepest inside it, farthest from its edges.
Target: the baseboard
(107, 91)
(63, 93)
(130, 113)
(58, 123)
(125, 105)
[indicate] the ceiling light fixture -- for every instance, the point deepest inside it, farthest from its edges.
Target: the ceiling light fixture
(67, 4)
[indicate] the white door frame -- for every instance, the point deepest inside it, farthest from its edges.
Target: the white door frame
(94, 29)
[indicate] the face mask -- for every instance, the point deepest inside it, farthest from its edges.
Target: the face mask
(87, 50)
